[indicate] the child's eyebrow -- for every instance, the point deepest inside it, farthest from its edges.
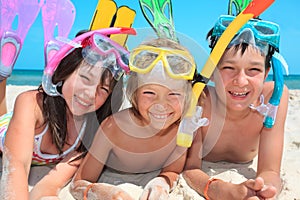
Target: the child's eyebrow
(257, 63)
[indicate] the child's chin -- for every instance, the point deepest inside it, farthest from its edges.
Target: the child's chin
(159, 125)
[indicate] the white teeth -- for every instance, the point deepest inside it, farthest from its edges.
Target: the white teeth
(159, 116)
(81, 102)
(239, 94)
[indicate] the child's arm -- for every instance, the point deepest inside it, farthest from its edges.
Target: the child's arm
(85, 183)
(19, 140)
(214, 188)
(271, 147)
(58, 177)
(159, 187)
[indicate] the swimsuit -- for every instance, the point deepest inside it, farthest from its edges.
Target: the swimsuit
(4, 121)
(39, 158)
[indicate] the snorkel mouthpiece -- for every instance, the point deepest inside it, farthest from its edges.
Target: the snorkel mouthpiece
(271, 115)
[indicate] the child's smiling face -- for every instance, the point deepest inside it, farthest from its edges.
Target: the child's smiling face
(83, 90)
(239, 78)
(159, 106)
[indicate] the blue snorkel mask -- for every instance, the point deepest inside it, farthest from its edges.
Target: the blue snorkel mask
(263, 35)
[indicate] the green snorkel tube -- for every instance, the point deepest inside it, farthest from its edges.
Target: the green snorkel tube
(161, 22)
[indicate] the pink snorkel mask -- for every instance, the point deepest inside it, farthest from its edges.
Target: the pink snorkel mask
(96, 46)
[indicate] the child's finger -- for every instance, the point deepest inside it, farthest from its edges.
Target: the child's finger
(267, 192)
(256, 184)
(144, 195)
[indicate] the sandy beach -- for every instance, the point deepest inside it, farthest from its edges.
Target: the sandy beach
(230, 172)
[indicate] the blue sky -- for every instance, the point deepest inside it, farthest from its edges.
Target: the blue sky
(193, 19)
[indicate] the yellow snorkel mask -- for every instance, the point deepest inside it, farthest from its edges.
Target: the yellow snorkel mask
(178, 64)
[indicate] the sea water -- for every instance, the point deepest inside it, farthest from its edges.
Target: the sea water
(25, 77)
(34, 78)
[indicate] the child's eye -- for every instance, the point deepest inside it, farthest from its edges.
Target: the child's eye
(85, 77)
(228, 68)
(256, 69)
(148, 92)
(105, 89)
(175, 94)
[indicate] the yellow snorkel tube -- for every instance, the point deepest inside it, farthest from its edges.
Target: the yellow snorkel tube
(254, 9)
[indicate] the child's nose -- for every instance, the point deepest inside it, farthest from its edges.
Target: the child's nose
(90, 91)
(240, 79)
(160, 106)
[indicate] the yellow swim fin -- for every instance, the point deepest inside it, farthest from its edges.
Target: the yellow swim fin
(107, 14)
(124, 18)
(104, 14)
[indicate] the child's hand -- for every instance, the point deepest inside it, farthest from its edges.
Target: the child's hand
(157, 188)
(248, 190)
(261, 190)
(95, 191)
(105, 191)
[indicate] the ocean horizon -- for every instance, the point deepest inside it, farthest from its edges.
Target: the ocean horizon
(34, 78)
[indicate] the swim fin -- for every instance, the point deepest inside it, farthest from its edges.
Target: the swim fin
(159, 15)
(124, 18)
(107, 14)
(104, 14)
(25, 13)
(58, 17)
(10, 49)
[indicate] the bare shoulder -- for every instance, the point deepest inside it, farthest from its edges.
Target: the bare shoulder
(269, 88)
(113, 121)
(119, 125)
(28, 103)
(27, 98)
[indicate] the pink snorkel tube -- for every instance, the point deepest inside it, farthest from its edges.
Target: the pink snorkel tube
(12, 40)
(48, 86)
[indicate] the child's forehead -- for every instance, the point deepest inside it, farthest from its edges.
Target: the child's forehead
(86, 68)
(159, 87)
(240, 50)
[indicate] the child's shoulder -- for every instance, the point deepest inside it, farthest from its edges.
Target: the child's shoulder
(121, 116)
(28, 96)
(269, 88)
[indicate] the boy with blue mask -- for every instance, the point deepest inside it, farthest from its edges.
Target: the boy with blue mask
(246, 114)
